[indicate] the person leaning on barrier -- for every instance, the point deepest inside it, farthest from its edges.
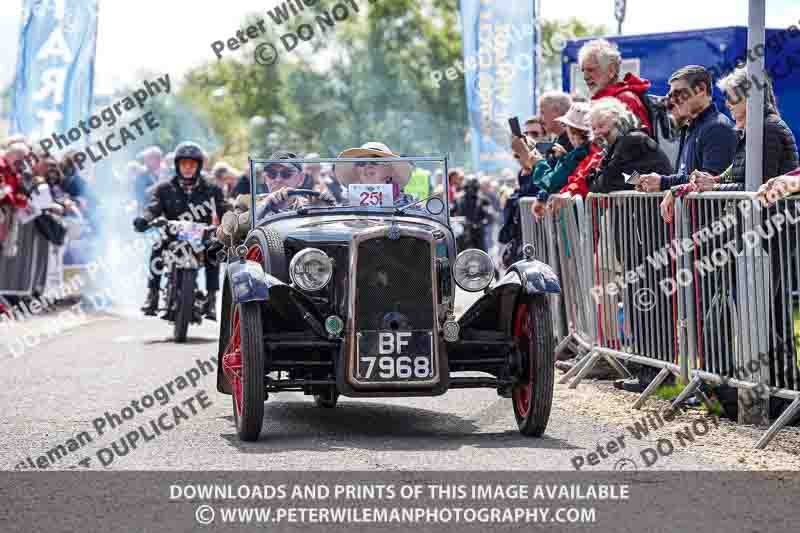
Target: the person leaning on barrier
(13, 196)
(780, 154)
(780, 149)
(570, 167)
(779, 187)
(707, 138)
(627, 148)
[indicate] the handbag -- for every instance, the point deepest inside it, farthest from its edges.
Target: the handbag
(51, 227)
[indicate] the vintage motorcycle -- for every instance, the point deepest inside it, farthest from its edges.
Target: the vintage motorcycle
(184, 245)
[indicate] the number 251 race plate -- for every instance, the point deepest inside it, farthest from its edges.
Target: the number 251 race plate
(365, 195)
(395, 356)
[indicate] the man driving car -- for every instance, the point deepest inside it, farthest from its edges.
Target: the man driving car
(281, 179)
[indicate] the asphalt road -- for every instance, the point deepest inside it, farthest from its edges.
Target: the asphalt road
(57, 391)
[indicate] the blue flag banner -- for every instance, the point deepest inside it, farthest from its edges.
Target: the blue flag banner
(500, 72)
(55, 68)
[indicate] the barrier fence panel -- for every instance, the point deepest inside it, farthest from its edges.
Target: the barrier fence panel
(713, 294)
(534, 231)
(781, 241)
(632, 273)
(540, 233)
(575, 283)
(745, 287)
(25, 272)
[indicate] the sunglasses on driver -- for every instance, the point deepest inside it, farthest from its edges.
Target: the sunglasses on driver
(284, 174)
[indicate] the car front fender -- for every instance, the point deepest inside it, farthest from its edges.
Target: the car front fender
(249, 282)
(536, 277)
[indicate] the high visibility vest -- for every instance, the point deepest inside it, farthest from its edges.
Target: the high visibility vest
(419, 185)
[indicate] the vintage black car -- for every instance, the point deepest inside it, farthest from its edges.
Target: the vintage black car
(357, 298)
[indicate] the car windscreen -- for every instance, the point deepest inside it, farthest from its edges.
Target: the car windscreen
(416, 185)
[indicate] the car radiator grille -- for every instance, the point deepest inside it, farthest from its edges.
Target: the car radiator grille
(394, 286)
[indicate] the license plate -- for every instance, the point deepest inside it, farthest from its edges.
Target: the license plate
(192, 233)
(395, 356)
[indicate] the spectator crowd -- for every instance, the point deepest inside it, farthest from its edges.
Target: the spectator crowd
(610, 144)
(574, 147)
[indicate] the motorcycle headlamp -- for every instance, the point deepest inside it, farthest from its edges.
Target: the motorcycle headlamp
(311, 269)
(473, 270)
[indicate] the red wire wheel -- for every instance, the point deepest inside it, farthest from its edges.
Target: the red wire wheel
(243, 365)
(532, 397)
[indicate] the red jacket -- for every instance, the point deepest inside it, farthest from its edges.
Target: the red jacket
(9, 177)
(630, 92)
(576, 183)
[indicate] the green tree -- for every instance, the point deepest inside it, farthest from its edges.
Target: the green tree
(367, 78)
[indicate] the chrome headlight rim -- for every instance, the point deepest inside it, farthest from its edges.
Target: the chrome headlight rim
(466, 255)
(306, 255)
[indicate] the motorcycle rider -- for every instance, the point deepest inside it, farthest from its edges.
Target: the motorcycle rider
(185, 197)
(476, 208)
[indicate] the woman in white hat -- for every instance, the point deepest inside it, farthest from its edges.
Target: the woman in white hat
(374, 172)
(570, 167)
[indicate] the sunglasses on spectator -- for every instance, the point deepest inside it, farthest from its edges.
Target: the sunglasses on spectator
(281, 174)
(679, 95)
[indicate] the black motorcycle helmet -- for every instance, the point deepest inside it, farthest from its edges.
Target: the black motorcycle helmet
(189, 150)
(472, 186)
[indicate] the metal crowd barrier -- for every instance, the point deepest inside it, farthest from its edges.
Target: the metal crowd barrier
(711, 297)
(626, 246)
(25, 273)
(540, 233)
(744, 288)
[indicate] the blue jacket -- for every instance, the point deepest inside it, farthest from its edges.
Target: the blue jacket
(552, 179)
(707, 144)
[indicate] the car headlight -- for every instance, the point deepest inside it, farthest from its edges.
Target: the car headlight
(311, 269)
(474, 270)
